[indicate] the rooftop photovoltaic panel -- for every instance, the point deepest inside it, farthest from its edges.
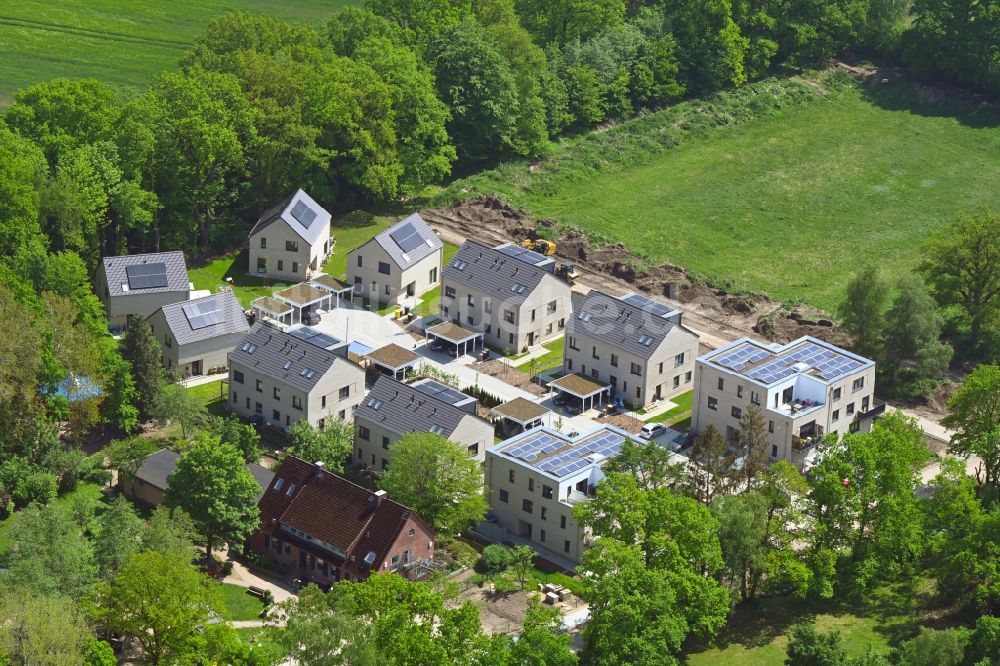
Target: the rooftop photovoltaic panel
(537, 447)
(522, 254)
(203, 313)
(742, 356)
(647, 305)
(826, 362)
(407, 238)
(303, 213)
(302, 333)
(146, 276)
(441, 392)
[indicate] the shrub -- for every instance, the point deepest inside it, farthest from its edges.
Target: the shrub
(495, 559)
(38, 487)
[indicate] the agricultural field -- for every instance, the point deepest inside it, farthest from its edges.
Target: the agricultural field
(784, 187)
(125, 43)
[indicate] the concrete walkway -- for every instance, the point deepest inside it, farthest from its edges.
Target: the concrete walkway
(202, 379)
(244, 577)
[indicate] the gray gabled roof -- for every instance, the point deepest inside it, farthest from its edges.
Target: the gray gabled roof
(159, 465)
(490, 270)
(402, 409)
(418, 239)
(180, 316)
(267, 350)
(620, 324)
(173, 263)
(283, 211)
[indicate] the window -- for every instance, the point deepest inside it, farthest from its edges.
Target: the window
(531, 485)
(679, 359)
(510, 338)
(261, 264)
(864, 404)
(385, 443)
(613, 381)
(638, 392)
(388, 290)
(722, 384)
(541, 533)
(508, 316)
(552, 307)
(533, 315)
(712, 403)
(237, 376)
(473, 450)
(850, 408)
(562, 522)
(614, 360)
(276, 414)
(566, 546)
(276, 393)
(569, 364)
(291, 246)
(383, 268)
(344, 393)
(546, 491)
(168, 340)
(572, 344)
(510, 476)
(774, 450)
(342, 415)
(562, 324)
(527, 506)
(543, 512)
(260, 386)
(449, 292)
(412, 531)
(357, 281)
(470, 320)
(736, 412)
(836, 393)
(281, 265)
(659, 368)
(755, 397)
(258, 408)
(234, 397)
(504, 496)
(593, 353)
(296, 402)
(836, 415)
(739, 391)
(858, 384)
(677, 381)
(248, 403)
(363, 433)
(295, 267)
(687, 377)
(470, 300)
(770, 426)
(594, 373)
(359, 261)
(322, 401)
(263, 243)
(385, 464)
(636, 369)
(432, 276)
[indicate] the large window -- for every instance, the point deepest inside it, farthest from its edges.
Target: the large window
(679, 360)
(449, 292)
(291, 246)
(713, 403)
(636, 369)
(363, 433)
(383, 268)
(263, 243)
(527, 506)
(237, 376)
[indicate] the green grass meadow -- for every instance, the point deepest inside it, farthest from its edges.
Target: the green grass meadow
(125, 43)
(783, 187)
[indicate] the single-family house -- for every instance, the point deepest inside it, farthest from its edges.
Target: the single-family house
(291, 240)
(136, 285)
(398, 264)
(197, 335)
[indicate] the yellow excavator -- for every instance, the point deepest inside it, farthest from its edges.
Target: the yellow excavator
(539, 245)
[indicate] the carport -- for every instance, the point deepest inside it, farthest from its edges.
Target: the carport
(267, 307)
(303, 297)
(463, 339)
(394, 360)
(341, 290)
(589, 392)
(518, 415)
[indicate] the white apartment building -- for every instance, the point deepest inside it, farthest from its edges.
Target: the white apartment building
(536, 478)
(806, 388)
(635, 345)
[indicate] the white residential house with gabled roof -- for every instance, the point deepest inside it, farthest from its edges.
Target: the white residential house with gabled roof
(807, 389)
(279, 377)
(136, 285)
(291, 240)
(398, 264)
(197, 335)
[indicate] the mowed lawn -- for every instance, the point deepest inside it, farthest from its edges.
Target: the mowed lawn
(789, 204)
(120, 42)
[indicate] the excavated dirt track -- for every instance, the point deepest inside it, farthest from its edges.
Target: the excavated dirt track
(715, 314)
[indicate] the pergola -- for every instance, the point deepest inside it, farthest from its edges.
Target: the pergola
(521, 413)
(304, 296)
(460, 337)
(394, 360)
(589, 392)
(267, 307)
(340, 289)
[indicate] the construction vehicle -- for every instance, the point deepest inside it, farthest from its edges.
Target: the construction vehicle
(567, 271)
(539, 245)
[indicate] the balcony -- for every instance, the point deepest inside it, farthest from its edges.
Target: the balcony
(797, 407)
(873, 413)
(802, 444)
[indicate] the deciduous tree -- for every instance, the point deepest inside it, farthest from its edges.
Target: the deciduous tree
(330, 444)
(974, 414)
(143, 353)
(175, 405)
(862, 312)
(712, 470)
(119, 536)
(914, 352)
(49, 553)
(40, 628)
(752, 442)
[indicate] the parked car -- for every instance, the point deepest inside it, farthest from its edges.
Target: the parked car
(437, 344)
(560, 399)
(574, 406)
(652, 430)
(310, 317)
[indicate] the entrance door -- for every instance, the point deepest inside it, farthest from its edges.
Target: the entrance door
(196, 367)
(302, 558)
(531, 339)
(411, 289)
(524, 529)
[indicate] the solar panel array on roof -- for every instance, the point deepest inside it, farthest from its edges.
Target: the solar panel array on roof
(827, 362)
(530, 449)
(441, 391)
(316, 338)
(741, 356)
(303, 213)
(407, 237)
(647, 305)
(146, 276)
(522, 253)
(203, 313)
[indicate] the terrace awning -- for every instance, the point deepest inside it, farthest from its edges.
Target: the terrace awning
(462, 338)
(521, 411)
(579, 385)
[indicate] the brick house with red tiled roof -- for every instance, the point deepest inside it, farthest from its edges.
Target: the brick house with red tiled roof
(323, 528)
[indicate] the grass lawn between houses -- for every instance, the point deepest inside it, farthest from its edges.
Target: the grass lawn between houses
(212, 396)
(124, 43)
(785, 187)
(239, 604)
(83, 489)
(213, 274)
(680, 410)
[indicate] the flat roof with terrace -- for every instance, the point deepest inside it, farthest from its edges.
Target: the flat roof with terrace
(558, 456)
(766, 365)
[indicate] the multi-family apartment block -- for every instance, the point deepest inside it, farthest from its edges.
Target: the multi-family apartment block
(398, 264)
(280, 377)
(514, 296)
(807, 389)
(635, 345)
(536, 478)
(393, 409)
